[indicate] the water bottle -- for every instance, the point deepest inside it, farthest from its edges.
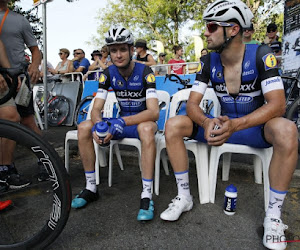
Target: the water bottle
(230, 200)
(102, 131)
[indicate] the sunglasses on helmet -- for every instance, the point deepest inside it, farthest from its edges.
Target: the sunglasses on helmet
(213, 26)
(118, 39)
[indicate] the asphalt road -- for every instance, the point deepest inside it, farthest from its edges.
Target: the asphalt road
(110, 222)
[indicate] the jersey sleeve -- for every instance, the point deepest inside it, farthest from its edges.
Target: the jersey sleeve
(149, 82)
(104, 84)
(202, 75)
(268, 69)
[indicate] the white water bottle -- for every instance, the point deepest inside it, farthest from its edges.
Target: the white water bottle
(101, 129)
(230, 200)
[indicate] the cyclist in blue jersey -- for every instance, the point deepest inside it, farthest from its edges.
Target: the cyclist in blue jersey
(246, 81)
(134, 86)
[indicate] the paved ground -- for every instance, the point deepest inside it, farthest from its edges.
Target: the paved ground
(110, 222)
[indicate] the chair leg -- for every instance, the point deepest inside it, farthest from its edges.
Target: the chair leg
(110, 164)
(202, 174)
(157, 171)
(67, 155)
(257, 169)
(165, 162)
(226, 166)
(96, 149)
(118, 154)
(213, 170)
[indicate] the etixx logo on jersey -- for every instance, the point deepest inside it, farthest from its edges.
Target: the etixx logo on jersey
(270, 61)
(150, 78)
(102, 78)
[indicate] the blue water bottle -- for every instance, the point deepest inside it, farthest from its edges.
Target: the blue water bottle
(230, 200)
(101, 129)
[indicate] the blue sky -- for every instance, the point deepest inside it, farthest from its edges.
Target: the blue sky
(69, 25)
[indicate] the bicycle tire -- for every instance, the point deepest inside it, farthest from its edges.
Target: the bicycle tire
(78, 116)
(60, 195)
(292, 113)
(12, 89)
(58, 110)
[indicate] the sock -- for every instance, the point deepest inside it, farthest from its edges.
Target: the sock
(275, 202)
(91, 181)
(147, 184)
(182, 181)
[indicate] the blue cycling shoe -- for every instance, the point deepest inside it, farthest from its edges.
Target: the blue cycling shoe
(146, 210)
(86, 196)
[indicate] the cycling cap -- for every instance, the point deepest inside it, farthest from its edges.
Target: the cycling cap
(118, 35)
(224, 10)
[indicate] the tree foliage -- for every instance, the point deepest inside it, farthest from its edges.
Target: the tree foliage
(164, 20)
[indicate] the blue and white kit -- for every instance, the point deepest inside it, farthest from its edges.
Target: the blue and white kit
(131, 94)
(259, 76)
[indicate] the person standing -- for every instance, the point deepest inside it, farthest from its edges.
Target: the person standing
(252, 102)
(142, 55)
(16, 31)
(161, 70)
(247, 35)
(177, 69)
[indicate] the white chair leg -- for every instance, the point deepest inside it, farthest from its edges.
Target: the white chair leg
(102, 155)
(164, 160)
(157, 170)
(110, 164)
(213, 170)
(257, 169)
(226, 166)
(67, 155)
(118, 154)
(202, 173)
(97, 159)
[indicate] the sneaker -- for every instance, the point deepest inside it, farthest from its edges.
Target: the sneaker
(13, 179)
(5, 204)
(178, 205)
(85, 197)
(146, 210)
(42, 173)
(274, 237)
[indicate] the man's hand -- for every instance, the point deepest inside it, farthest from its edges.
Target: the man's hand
(116, 126)
(3, 84)
(221, 135)
(34, 73)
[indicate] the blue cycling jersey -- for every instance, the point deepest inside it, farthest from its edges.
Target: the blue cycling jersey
(131, 93)
(259, 76)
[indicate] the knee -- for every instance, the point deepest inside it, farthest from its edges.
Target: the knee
(286, 136)
(173, 128)
(147, 131)
(85, 129)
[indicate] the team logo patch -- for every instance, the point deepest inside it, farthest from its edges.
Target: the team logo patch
(102, 78)
(150, 78)
(200, 67)
(270, 61)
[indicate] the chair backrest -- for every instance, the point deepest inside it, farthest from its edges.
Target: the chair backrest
(211, 95)
(164, 102)
(111, 101)
(88, 116)
(181, 95)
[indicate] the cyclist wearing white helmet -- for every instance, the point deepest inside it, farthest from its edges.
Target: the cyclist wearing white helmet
(134, 86)
(245, 79)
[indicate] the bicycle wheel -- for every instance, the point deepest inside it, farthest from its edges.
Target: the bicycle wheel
(293, 114)
(82, 109)
(58, 110)
(40, 210)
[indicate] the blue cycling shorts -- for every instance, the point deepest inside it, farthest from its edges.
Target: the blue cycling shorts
(128, 132)
(253, 137)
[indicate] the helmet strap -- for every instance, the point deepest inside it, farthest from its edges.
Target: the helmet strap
(227, 41)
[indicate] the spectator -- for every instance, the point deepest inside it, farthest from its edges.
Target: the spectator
(271, 35)
(204, 52)
(256, 122)
(161, 70)
(177, 69)
(65, 65)
(247, 35)
(41, 68)
(142, 56)
(14, 40)
(80, 63)
(139, 114)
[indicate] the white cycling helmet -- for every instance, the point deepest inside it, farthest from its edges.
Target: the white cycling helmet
(118, 35)
(224, 10)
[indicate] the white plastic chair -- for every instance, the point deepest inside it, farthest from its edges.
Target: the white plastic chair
(163, 96)
(262, 156)
(200, 150)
